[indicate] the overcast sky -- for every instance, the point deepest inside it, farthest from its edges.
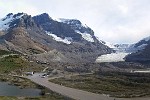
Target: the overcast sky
(116, 21)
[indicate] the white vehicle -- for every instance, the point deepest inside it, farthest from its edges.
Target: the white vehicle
(43, 76)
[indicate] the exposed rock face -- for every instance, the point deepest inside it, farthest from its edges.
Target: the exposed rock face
(77, 25)
(52, 55)
(19, 35)
(143, 42)
(41, 34)
(60, 29)
(140, 56)
(143, 55)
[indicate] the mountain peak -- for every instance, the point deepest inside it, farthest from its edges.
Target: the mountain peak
(142, 43)
(72, 22)
(69, 21)
(41, 33)
(9, 14)
(44, 15)
(77, 25)
(6, 22)
(42, 18)
(19, 15)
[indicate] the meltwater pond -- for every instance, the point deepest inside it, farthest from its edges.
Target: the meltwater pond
(11, 90)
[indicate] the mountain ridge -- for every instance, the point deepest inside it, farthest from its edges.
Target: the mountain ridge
(33, 35)
(142, 53)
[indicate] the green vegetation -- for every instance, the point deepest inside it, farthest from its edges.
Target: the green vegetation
(51, 96)
(25, 83)
(3, 52)
(118, 84)
(34, 51)
(47, 94)
(18, 81)
(10, 63)
(16, 64)
(8, 98)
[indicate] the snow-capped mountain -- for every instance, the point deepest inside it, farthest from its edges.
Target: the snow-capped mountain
(76, 25)
(61, 30)
(142, 53)
(138, 52)
(86, 32)
(40, 34)
(71, 29)
(7, 22)
(142, 43)
(129, 48)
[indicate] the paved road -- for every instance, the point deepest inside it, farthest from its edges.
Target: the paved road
(69, 92)
(74, 93)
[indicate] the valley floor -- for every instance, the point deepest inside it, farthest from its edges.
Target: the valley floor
(90, 83)
(85, 81)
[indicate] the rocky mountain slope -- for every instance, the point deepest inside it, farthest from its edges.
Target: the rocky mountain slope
(143, 53)
(128, 48)
(39, 35)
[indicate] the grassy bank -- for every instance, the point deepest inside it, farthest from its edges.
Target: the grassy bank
(46, 97)
(26, 83)
(11, 65)
(115, 84)
(17, 65)
(3, 52)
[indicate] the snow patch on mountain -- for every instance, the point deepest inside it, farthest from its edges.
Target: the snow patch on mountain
(5, 22)
(147, 38)
(79, 28)
(110, 45)
(63, 20)
(86, 36)
(140, 45)
(71, 21)
(66, 40)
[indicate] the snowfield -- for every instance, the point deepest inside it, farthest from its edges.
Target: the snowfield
(4, 23)
(66, 40)
(113, 57)
(86, 36)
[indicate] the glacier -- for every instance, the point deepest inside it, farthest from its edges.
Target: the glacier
(113, 57)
